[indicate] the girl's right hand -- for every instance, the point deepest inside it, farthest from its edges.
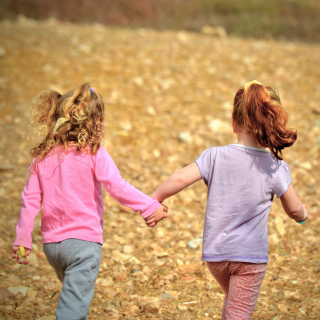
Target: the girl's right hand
(15, 256)
(305, 213)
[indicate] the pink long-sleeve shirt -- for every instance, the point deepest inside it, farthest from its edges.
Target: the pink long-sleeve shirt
(69, 188)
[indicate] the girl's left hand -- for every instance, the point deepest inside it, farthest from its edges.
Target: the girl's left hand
(161, 213)
(15, 256)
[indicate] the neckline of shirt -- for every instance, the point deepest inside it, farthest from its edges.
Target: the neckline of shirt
(247, 147)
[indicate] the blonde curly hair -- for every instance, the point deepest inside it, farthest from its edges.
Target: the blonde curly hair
(74, 118)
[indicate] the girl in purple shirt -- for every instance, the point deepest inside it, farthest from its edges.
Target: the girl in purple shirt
(242, 179)
(65, 179)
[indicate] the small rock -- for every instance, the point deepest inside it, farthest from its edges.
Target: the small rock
(52, 317)
(124, 296)
(105, 281)
(119, 276)
(146, 270)
(302, 311)
(31, 294)
(283, 308)
(183, 37)
(151, 305)
(141, 277)
(188, 279)
(110, 292)
(85, 48)
(185, 137)
(3, 51)
(194, 244)
(4, 293)
(169, 277)
(273, 239)
(219, 126)
(156, 153)
(179, 262)
(126, 125)
(151, 110)
(131, 308)
(209, 286)
(24, 21)
(316, 110)
(182, 307)
(19, 289)
(165, 296)
(134, 261)
(127, 249)
(138, 80)
(186, 316)
(162, 254)
(217, 31)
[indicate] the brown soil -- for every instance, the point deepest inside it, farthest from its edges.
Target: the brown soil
(168, 97)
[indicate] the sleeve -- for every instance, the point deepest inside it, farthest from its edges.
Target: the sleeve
(30, 207)
(205, 163)
(108, 174)
(283, 180)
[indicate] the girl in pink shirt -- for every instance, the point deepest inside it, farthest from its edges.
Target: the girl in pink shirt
(65, 179)
(242, 180)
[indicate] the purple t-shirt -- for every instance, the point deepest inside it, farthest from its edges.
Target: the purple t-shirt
(242, 182)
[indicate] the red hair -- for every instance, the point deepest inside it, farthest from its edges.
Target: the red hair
(259, 110)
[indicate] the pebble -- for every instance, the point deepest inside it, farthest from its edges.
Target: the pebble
(151, 305)
(151, 110)
(127, 249)
(219, 126)
(165, 296)
(126, 125)
(182, 307)
(216, 31)
(2, 51)
(52, 317)
(194, 244)
(188, 279)
(283, 308)
(185, 137)
(4, 293)
(19, 289)
(105, 281)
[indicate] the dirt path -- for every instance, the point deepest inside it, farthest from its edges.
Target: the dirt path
(168, 97)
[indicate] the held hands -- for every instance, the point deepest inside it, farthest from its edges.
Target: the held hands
(161, 213)
(15, 254)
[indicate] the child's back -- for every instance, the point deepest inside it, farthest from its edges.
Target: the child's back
(241, 183)
(69, 186)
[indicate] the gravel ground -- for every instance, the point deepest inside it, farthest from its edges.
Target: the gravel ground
(168, 97)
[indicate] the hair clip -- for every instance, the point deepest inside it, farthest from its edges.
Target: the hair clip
(246, 87)
(91, 89)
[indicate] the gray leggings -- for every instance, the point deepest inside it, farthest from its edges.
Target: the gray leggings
(76, 263)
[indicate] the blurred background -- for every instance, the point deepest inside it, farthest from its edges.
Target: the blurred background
(279, 19)
(168, 72)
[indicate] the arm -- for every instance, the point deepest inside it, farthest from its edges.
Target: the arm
(177, 182)
(107, 173)
(293, 206)
(30, 207)
(174, 184)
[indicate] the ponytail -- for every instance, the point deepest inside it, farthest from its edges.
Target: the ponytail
(259, 110)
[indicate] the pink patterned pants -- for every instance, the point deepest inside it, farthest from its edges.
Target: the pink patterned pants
(241, 283)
